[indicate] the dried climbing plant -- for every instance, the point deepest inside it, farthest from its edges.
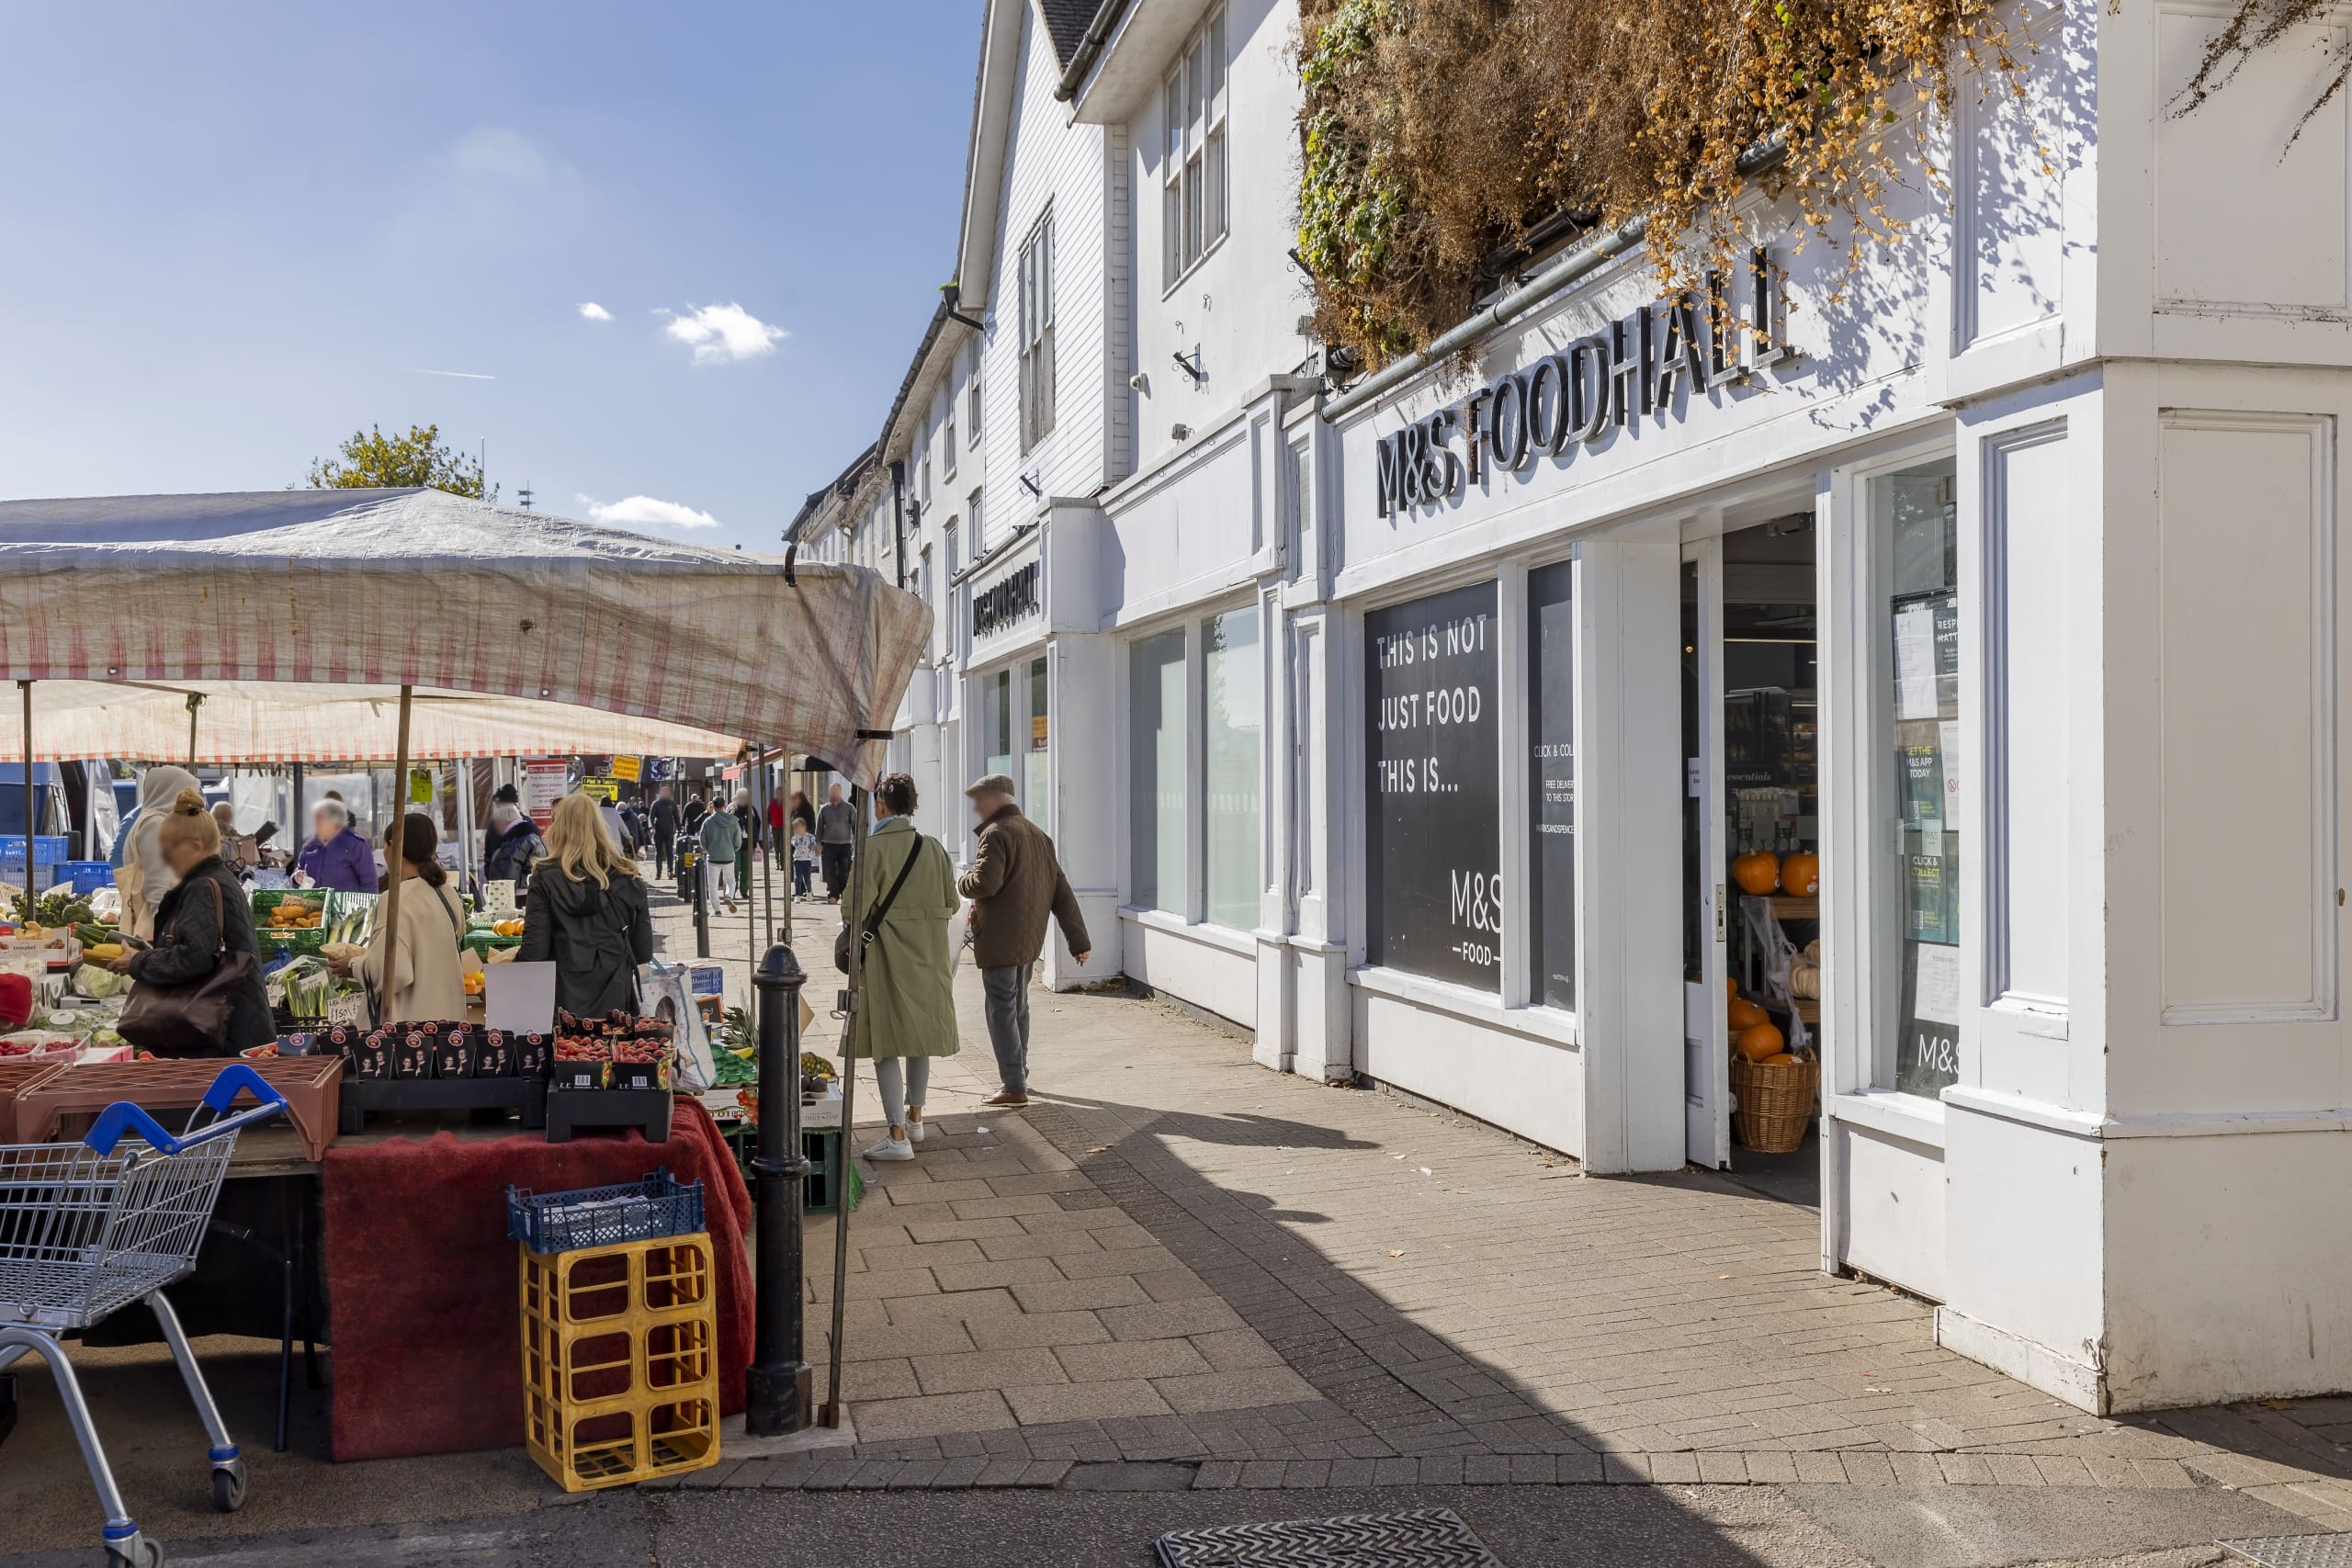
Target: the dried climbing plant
(1436, 131)
(2261, 24)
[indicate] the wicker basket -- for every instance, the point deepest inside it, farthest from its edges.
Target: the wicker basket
(1773, 1104)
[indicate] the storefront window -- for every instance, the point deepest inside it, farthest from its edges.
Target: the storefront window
(1434, 836)
(996, 722)
(1552, 786)
(1158, 767)
(1032, 777)
(1914, 535)
(1233, 679)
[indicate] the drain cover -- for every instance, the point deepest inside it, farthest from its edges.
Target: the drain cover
(1430, 1538)
(2294, 1550)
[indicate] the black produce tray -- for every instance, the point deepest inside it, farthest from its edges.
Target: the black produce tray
(572, 1111)
(385, 1095)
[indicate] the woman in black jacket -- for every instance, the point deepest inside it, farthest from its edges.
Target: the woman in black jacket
(193, 931)
(587, 912)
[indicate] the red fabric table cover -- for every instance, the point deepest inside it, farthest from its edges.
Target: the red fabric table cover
(422, 1279)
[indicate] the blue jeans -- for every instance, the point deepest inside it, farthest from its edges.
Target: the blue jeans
(1007, 990)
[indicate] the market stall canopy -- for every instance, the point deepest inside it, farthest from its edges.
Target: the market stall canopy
(384, 588)
(244, 722)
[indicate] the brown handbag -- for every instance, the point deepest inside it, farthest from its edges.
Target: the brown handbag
(191, 1018)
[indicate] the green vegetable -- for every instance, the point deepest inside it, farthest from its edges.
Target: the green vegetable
(93, 981)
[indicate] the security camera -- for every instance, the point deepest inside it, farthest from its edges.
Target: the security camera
(1179, 433)
(1140, 382)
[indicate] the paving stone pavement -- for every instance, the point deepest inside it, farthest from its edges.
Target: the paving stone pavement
(1183, 1264)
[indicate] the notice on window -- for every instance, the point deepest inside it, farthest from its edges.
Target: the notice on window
(1937, 983)
(1948, 739)
(1432, 783)
(1927, 903)
(1914, 662)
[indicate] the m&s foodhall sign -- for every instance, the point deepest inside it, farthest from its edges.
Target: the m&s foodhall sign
(1631, 368)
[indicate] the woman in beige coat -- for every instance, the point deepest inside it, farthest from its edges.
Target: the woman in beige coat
(424, 984)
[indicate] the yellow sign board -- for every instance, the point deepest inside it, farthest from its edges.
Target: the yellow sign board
(629, 770)
(605, 789)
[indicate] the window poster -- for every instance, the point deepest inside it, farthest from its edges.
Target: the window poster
(1434, 836)
(1927, 1052)
(1552, 784)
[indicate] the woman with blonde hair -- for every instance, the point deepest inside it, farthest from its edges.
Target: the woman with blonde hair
(200, 924)
(587, 912)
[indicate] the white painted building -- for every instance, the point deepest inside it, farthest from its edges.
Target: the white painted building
(2009, 591)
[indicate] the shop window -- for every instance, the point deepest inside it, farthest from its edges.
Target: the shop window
(1193, 169)
(1159, 765)
(1037, 333)
(1552, 786)
(1233, 701)
(1914, 538)
(996, 723)
(1432, 818)
(1033, 761)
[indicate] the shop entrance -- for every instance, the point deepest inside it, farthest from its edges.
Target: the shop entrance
(1751, 853)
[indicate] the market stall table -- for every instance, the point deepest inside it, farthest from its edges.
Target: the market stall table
(421, 1280)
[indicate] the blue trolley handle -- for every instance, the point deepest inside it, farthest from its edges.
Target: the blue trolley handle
(124, 1117)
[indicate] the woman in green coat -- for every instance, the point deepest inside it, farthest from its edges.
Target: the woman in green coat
(908, 1014)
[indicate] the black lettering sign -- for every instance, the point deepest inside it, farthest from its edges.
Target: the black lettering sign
(1011, 597)
(1632, 367)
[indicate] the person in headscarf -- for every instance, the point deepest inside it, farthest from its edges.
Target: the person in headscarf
(142, 875)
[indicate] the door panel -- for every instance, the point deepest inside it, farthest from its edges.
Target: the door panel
(1706, 1063)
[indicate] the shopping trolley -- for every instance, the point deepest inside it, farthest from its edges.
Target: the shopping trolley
(85, 1231)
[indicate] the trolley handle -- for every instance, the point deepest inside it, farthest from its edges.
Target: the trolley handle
(124, 1117)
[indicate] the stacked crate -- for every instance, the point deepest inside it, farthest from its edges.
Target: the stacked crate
(620, 1336)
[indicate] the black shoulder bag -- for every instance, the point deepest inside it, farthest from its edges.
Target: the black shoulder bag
(873, 927)
(190, 1019)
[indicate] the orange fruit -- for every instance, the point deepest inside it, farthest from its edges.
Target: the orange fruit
(1761, 1041)
(1756, 872)
(1746, 1015)
(1801, 875)
(1776, 1061)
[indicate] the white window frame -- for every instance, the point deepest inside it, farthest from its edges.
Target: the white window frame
(1195, 207)
(972, 391)
(1034, 335)
(947, 437)
(972, 510)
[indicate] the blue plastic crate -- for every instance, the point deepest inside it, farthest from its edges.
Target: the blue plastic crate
(645, 1209)
(85, 875)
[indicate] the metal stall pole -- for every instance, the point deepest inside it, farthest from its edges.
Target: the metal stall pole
(196, 701)
(778, 1385)
(395, 851)
(853, 1027)
(31, 860)
(702, 901)
(767, 861)
(295, 827)
(751, 857)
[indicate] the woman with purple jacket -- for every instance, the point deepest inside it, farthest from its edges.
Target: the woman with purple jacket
(335, 856)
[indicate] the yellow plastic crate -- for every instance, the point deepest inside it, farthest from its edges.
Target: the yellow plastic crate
(620, 1360)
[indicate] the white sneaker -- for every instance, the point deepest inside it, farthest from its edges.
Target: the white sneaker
(889, 1147)
(914, 1132)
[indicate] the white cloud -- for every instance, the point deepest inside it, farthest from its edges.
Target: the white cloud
(644, 511)
(723, 335)
(593, 312)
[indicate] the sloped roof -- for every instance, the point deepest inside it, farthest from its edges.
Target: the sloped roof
(1066, 22)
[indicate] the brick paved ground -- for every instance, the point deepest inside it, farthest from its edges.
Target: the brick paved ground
(1178, 1258)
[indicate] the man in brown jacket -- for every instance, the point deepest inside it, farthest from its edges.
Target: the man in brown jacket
(1014, 884)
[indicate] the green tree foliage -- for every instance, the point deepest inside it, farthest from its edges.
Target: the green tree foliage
(370, 459)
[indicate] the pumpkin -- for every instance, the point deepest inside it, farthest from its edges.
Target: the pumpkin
(1756, 872)
(1780, 1060)
(1745, 1016)
(1801, 875)
(1761, 1041)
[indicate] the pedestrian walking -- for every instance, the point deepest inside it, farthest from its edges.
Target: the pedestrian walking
(836, 831)
(1014, 883)
(907, 1014)
(802, 812)
(587, 913)
(515, 846)
(803, 860)
(664, 821)
(778, 846)
(746, 820)
(722, 840)
(504, 794)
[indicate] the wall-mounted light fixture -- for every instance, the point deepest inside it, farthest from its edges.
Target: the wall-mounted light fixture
(1191, 367)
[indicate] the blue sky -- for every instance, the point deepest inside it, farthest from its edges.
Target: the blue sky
(235, 233)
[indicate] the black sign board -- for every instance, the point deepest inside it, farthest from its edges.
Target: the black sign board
(1434, 842)
(1552, 783)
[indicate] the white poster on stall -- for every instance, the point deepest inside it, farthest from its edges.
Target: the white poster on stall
(520, 997)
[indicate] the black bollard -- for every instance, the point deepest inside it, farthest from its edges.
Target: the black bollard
(702, 908)
(776, 1387)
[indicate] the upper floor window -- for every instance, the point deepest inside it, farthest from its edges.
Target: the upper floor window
(1037, 333)
(972, 392)
(947, 437)
(972, 510)
(1192, 206)
(925, 491)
